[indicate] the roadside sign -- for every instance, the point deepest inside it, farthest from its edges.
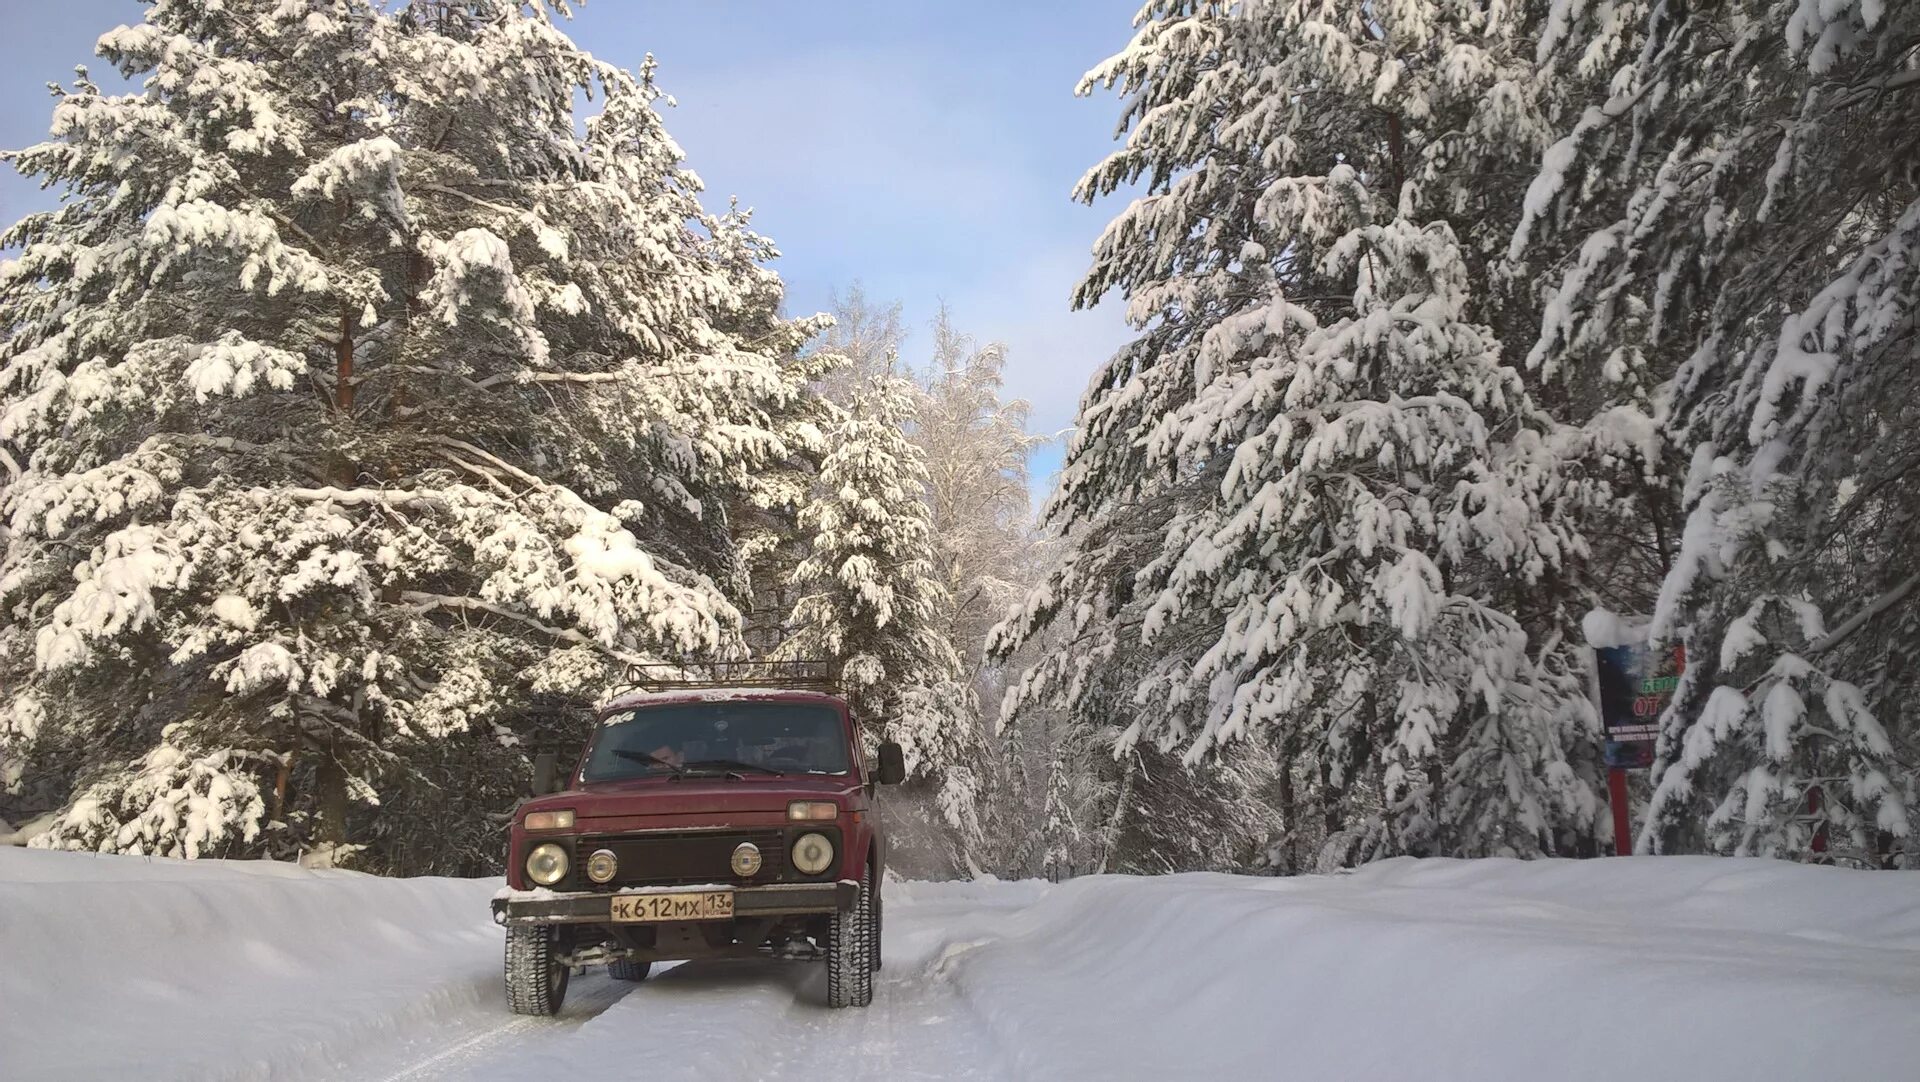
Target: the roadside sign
(1635, 684)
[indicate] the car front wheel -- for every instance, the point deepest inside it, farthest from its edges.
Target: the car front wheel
(850, 943)
(536, 978)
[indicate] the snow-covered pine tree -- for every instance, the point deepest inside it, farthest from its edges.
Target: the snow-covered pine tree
(764, 515)
(351, 396)
(860, 340)
(870, 600)
(1365, 540)
(1768, 247)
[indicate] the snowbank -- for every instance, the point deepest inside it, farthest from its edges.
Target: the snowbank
(1642, 968)
(226, 969)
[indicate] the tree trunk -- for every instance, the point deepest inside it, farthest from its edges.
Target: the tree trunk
(1396, 146)
(280, 779)
(1111, 840)
(1330, 816)
(332, 778)
(343, 365)
(1289, 822)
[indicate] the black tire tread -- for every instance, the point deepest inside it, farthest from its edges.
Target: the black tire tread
(850, 951)
(532, 984)
(879, 923)
(625, 970)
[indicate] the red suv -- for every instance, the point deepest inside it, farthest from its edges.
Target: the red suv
(702, 822)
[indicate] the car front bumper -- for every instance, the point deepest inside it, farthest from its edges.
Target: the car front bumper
(591, 907)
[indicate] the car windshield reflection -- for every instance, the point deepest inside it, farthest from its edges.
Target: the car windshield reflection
(733, 739)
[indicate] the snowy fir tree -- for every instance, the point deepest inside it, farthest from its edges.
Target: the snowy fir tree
(1764, 248)
(1320, 501)
(869, 600)
(861, 340)
(352, 400)
(1090, 810)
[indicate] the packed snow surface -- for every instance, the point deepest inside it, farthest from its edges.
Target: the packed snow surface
(1643, 968)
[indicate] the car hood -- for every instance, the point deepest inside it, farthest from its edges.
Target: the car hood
(703, 795)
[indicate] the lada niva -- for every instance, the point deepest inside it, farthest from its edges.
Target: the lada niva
(706, 822)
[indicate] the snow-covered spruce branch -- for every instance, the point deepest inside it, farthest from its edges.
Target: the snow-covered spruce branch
(381, 371)
(497, 462)
(491, 477)
(422, 602)
(1859, 619)
(524, 217)
(579, 377)
(230, 445)
(336, 721)
(373, 497)
(632, 375)
(1874, 88)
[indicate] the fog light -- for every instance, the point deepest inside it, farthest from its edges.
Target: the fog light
(547, 864)
(746, 860)
(601, 866)
(812, 853)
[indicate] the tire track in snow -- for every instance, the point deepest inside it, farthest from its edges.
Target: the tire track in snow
(768, 1020)
(587, 999)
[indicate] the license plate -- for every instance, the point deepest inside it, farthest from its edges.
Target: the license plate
(693, 905)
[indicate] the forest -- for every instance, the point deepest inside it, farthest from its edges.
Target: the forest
(385, 386)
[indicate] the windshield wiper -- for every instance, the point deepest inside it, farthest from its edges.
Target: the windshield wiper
(735, 766)
(649, 757)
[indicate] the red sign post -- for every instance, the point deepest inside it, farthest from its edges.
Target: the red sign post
(1622, 821)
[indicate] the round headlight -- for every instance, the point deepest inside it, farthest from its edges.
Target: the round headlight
(547, 864)
(601, 866)
(812, 853)
(746, 860)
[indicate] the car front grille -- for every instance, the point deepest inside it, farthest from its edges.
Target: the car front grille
(671, 858)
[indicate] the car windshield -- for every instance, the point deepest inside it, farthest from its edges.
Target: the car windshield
(719, 738)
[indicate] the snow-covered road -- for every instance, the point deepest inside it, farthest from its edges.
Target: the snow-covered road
(767, 1020)
(114, 967)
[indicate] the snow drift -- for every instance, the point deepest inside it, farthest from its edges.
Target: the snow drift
(217, 969)
(1646, 968)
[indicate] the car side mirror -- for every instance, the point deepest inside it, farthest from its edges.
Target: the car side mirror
(893, 764)
(545, 769)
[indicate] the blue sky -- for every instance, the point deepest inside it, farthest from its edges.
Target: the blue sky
(926, 149)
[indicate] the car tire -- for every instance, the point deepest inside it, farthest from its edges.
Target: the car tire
(624, 970)
(850, 950)
(536, 978)
(879, 922)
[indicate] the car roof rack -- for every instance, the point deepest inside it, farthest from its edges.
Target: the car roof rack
(787, 674)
